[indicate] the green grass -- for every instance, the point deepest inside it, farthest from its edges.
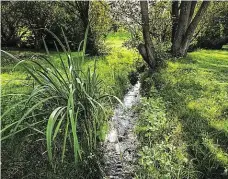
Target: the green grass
(18, 156)
(116, 39)
(112, 67)
(191, 136)
(225, 47)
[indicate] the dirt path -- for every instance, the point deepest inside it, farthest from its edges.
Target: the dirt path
(121, 142)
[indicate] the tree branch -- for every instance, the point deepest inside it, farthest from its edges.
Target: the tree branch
(193, 5)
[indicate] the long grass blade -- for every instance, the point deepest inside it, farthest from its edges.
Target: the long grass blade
(65, 139)
(45, 45)
(50, 126)
(31, 109)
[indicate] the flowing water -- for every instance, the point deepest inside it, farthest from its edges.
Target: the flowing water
(121, 142)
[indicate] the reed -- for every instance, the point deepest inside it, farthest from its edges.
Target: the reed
(72, 98)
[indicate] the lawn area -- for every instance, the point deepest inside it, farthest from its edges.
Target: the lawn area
(183, 122)
(111, 68)
(114, 89)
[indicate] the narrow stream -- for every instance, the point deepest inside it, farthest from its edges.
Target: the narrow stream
(121, 142)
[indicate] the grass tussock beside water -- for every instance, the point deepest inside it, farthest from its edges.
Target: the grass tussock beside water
(183, 122)
(56, 94)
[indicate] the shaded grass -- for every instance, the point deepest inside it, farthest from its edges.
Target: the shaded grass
(195, 93)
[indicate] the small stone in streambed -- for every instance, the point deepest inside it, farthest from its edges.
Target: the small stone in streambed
(120, 138)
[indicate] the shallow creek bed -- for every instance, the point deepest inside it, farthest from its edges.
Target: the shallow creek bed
(121, 142)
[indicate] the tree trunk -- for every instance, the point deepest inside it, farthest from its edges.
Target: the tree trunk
(182, 26)
(187, 26)
(147, 49)
(192, 27)
(36, 40)
(193, 5)
(175, 17)
(83, 9)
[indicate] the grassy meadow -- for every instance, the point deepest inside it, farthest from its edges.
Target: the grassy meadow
(183, 122)
(114, 89)
(182, 125)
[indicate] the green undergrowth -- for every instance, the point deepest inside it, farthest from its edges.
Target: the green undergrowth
(183, 121)
(25, 154)
(162, 153)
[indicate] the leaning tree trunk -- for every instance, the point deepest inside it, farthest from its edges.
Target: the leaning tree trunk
(147, 49)
(191, 29)
(186, 26)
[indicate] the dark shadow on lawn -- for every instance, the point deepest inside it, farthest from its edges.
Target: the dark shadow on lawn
(195, 127)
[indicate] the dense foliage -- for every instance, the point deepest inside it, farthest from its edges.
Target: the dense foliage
(213, 31)
(25, 29)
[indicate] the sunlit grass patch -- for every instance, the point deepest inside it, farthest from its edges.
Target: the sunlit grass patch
(205, 96)
(120, 35)
(225, 47)
(219, 154)
(195, 92)
(115, 40)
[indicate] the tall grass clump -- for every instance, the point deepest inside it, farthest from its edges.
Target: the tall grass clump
(66, 106)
